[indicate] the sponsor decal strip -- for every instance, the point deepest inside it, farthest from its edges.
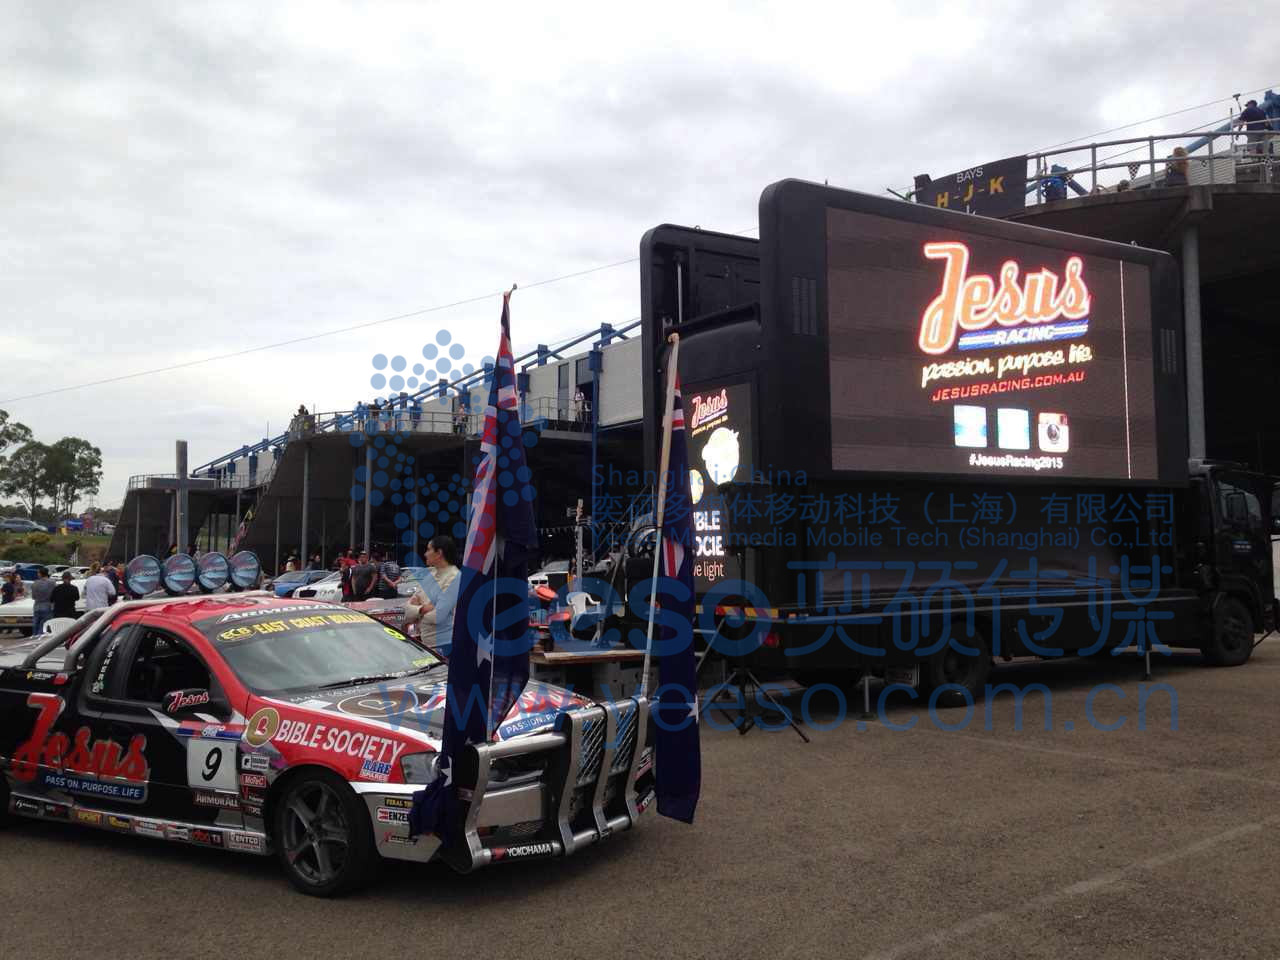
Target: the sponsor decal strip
(319, 736)
(224, 800)
(526, 851)
(401, 727)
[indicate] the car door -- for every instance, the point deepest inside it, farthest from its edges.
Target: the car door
(159, 696)
(59, 754)
(1244, 545)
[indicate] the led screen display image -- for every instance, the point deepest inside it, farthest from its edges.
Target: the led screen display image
(961, 353)
(721, 447)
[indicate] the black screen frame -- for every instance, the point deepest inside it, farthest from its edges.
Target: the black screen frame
(793, 275)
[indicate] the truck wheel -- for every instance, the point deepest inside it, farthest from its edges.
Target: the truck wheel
(951, 667)
(1232, 642)
(322, 835)
(846, 679)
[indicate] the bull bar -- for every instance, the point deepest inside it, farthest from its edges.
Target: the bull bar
(588, 785)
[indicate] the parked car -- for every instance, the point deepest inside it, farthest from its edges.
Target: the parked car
(329, 589)
(17, 617)
(286, 583)
(20, 525)
(410, 579)
(249, 723)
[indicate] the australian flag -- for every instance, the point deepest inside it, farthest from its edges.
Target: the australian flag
(489, 662)
(679, 756)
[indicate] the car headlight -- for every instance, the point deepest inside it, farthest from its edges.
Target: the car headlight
(419, 767)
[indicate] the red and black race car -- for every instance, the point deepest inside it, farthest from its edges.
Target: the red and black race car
(257, 724)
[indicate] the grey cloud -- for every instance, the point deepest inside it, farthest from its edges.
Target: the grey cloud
(183, 181)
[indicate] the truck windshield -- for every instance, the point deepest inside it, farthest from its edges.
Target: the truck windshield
(275, 653)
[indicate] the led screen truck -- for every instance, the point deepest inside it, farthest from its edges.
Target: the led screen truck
(926, 440)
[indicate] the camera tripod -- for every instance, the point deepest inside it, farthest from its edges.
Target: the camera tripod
(753, 691)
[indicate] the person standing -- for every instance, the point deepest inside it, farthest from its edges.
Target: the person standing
(112, 573)
(1254, 122)
(434, 614)
(65, 596)
(12, 589)
(364, 578)
(99, 591)
(42, 600)
(388, 580)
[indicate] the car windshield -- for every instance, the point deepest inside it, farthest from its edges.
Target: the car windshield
(275, 651)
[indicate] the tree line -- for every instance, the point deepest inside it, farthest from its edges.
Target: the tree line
(61, 472)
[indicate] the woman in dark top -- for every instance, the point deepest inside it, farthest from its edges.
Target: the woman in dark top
(13, 589)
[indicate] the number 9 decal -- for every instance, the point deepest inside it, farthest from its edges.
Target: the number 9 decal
(211, 765)
(212, 761)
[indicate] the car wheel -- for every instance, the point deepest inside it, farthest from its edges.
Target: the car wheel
(322, 835)
(1232, 642)
(952, 668)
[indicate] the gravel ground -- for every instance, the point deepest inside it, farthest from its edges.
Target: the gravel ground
(925, 843)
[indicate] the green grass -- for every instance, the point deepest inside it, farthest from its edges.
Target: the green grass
(14, 547)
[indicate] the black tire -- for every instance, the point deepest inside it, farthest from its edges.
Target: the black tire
(1232, 641)
(951, 667)
(322, 835)
(844, 678)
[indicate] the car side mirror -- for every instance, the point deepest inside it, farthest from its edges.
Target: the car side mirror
(178, 703)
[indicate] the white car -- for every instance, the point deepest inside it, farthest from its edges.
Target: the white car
(16, 616)
(329, 589)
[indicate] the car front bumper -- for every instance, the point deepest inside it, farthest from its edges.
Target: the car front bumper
(21, 624)
(589, 779)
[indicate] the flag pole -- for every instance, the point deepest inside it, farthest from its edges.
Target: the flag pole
(663, 463)
(506, 310)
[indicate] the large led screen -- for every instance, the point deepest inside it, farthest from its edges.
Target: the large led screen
(960, 353)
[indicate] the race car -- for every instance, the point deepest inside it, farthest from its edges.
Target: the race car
(263, 725)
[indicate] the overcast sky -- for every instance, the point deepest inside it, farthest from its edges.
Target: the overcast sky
(187, 180)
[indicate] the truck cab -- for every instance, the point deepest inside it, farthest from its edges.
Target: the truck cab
(1237, 526)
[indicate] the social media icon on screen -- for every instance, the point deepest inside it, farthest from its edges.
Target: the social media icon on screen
(1013, 429)
(971, 426)
(1053, 432)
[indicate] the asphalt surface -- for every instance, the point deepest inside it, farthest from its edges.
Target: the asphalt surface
(874, 843)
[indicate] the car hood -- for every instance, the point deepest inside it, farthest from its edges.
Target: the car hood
(417, 706)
